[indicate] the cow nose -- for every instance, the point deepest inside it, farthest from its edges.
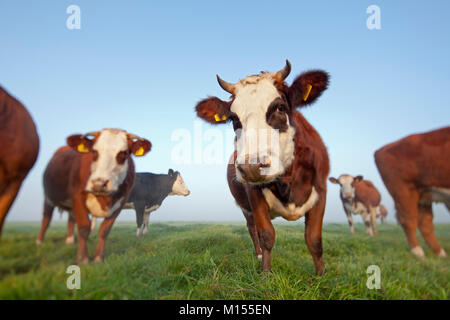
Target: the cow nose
(251, 169)
(99, 185)
(348, 195)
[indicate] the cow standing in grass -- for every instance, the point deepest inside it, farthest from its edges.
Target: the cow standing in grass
(19, 143)
(280, 165)
(93, 174)
(149, 192)
(360, 196)
(416, 172)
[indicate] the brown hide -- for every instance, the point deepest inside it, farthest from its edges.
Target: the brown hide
(367, 194)
(410, 168)
(19, 147)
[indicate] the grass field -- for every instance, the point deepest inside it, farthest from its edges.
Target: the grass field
(216, 261)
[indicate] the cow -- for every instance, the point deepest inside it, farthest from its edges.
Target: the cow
(280, 164)
(19, 142)
(149, 192)
(416, 172)
(382, 213)
(360, 196)
(93, 174)
(147, 195)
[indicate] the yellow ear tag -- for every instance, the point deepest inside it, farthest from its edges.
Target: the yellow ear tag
(216, 117)
(139, 152)
(224, 117)
(82, 148)
(308, 91)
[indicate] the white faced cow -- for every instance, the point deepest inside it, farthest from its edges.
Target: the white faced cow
(93, 174)
(281, 164)
(360, 196)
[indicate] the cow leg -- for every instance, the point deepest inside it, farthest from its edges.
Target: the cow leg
(146, 220)
(70, 239)
(93, 223)
(251, 226)
(139, 208)
(266, 232)
(426, 227)
(366, 218)
(373, 219)
(103, 232)
(407, 206)
(350, 221)
(47, 217)
(313, 233)
(84, 228)
(6, 200)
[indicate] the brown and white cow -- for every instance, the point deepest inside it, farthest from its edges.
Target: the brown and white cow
(360, 196)
(19, 148)
(416, 172)
(93, 174)
(280, 164)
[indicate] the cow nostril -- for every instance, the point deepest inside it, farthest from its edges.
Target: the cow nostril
(265, 163)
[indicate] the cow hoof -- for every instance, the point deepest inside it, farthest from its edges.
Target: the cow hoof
(442, 254)
(38, 242)
(70, 240)
(138, 233)
(83, 261)
(145, 231)
(98, 259)
(418, 252)
(259, 257)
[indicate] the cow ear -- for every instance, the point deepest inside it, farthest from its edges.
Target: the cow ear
(170, 172)
(140, 147)
(213, 110)
(333, 180)
(307, 87)
(358, 178)
(80, 143)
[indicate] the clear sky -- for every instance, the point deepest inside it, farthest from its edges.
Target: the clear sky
(143, 65)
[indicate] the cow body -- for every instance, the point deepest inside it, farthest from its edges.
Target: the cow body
(148, 193)
(360, 196)
(94, 180)
(19, 149)
(280, 164)
(416, 172)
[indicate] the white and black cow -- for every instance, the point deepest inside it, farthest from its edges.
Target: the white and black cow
(149, 192)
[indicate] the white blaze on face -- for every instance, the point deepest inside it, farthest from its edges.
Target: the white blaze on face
(179, 188)
(253, 96)
(105, 167)
(346, 187)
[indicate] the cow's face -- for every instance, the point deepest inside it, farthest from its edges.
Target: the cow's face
(111, 150)
(260, 111)
(347, 184)
(179, 188)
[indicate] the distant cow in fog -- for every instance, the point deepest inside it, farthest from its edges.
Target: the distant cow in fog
(19, 143)
(93, 174)
(149, 192)
(416, 172)
(360, 196)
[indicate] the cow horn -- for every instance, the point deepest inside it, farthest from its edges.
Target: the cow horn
(228, 87)
(283, 73)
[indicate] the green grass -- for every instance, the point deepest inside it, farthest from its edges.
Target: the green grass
(216, 261)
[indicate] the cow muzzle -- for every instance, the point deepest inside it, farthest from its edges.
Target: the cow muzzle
(99, 186)
(253, 169)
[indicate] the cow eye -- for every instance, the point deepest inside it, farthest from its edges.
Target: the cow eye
(122, 156)
(282, 108)
(236, 123)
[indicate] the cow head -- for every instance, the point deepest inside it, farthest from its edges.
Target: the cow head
(178, 186)
(347, 183)
(110, 149)
(261, 109)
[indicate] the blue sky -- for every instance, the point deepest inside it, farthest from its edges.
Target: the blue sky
(143, 65)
